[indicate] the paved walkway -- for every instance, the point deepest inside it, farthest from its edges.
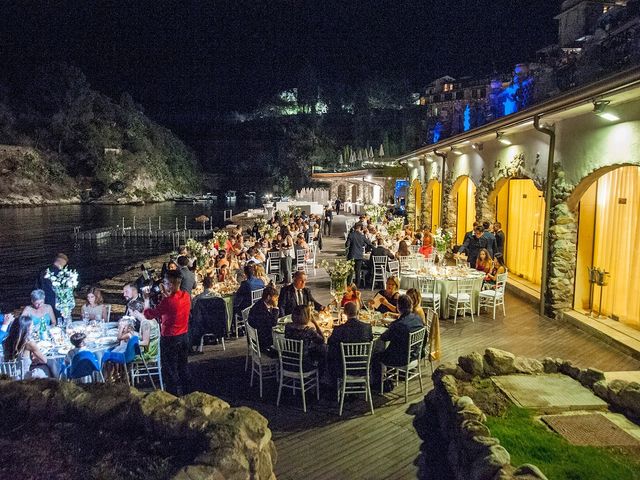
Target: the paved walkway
(322, 445)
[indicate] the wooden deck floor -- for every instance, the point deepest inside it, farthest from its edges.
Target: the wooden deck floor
(322, 445)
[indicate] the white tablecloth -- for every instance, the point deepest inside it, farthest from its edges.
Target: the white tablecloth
(445, 287)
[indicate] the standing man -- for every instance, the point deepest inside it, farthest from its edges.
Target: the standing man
(173, 315)
(188, 277)
(328, 218)
(499, 234)
(473, 245)
(355, 244)
(338, 205)
(44, 284)
(491, 239)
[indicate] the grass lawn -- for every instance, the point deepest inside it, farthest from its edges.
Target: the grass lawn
(530, 442)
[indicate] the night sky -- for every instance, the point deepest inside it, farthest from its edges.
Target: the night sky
(205, 56)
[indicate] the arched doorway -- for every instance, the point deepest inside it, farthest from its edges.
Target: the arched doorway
(464, 195)
(342, 192)
(434, 198)
(354, 193)
(416, 191)
(519, 207)
(608, 232)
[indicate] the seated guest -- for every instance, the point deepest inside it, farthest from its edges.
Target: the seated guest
(188, 277)
(94, 308)
(427, 246)
(403, 249)
(398, 333)
(484, 262)
(135, 303)
(254, 256)
(222, 259)
(352, 331)
(262, 274)
(417, 239)
(498, 267)
(149, 338)
(305, 327)
(416, 299)
(243, 295)
(39, 311)
(263, 316)
(223, 273)
(352, 295)
(78, 340)
(126, 331)
(389, 295)
(296, 293)
(208, 292)
(18, 346)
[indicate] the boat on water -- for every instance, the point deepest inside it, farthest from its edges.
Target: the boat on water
(193, 199)
(230, 195)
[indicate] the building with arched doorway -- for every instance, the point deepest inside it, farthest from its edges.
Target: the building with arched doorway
(563, 180)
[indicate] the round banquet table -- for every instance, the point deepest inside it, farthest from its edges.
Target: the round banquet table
(97, 344)
(446, 284)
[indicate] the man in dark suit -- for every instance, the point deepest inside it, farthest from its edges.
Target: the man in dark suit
(263, 316)
(44, 284)
(499, 234)
(296, 293)
(398, 337)
(491, 239)
(328, 218)
(355, 244)
(379, 251)
(352, 331)
(473, 245)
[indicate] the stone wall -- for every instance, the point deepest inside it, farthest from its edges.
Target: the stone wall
(240, 445)
(473, 454)
(563, 237)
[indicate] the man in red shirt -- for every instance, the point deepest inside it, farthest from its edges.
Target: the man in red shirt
(173, 315)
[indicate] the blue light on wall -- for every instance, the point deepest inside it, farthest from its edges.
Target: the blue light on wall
(437, 132)
(401, 188)
(467, 118)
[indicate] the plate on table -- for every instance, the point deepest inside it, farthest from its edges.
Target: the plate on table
(377, 330)
(106, 340)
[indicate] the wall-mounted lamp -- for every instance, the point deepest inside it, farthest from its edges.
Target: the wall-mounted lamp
(428, 159)
(456, 150)
(478, 146)
(600, 109)
(502, 139)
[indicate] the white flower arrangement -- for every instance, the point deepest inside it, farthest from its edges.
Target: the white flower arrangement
(376, 212)
(339, 270)
(66, 278)
(395, 226)
(199, 251)
(63, 283)
(221, 237)
(442, 239)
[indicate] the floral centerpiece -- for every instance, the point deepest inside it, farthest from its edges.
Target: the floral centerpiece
(294, 210)
(442, 241)
(376, 212)
(339, 271)
(221, 237)
(395, 226)
(199, 251)
(64, 282)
